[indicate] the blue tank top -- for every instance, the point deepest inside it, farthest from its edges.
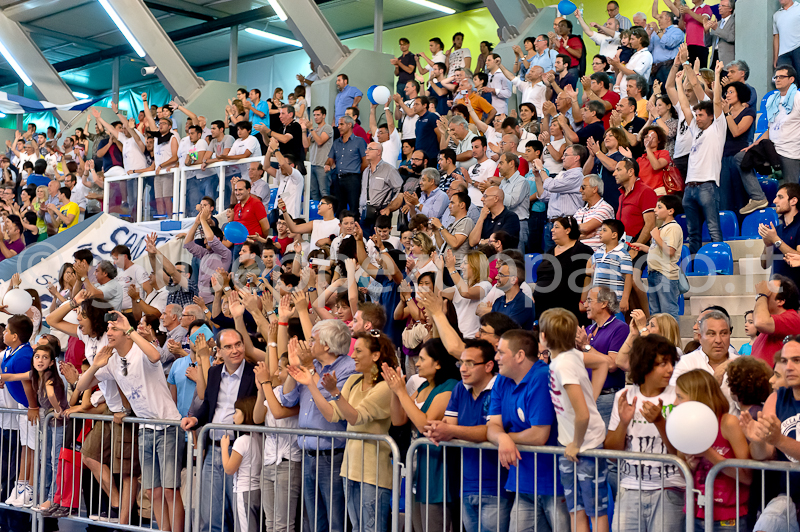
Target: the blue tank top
(787, 408)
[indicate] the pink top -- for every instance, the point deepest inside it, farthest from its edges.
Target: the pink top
(695, 32)
(725, 507)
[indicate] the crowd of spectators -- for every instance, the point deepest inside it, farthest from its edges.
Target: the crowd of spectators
(403, 306)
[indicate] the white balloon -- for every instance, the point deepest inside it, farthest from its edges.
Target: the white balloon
(692, 427)
(18, 301)
(381, 95)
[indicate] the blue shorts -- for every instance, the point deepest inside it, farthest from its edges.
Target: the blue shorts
(582, 496)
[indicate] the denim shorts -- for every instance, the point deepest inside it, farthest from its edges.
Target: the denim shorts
(161, 456)
(582, 496)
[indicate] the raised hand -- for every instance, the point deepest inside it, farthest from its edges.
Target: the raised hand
(394, 378)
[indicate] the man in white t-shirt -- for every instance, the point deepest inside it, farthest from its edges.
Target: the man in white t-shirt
(135, 365)
(436, 47)
(78, 192)
(480, 172)
(708, 126)
(386, 134)
(405, 110)
(243, 147)
(287, 176)
(193, 150)
(324, 231)
(532, 89)
(456, 56)
(609, 44)
(128, 274)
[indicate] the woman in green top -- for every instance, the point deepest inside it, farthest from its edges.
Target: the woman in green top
(42, 195)
(427, 403)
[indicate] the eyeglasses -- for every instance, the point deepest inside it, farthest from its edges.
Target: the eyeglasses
(489, 196)
(779, 76)
(124, 366)
(373, 149)
(589, 300)
(791, 338)
(469, 364)
(503, 275)
(375, 333)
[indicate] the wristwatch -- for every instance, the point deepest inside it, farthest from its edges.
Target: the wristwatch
(226, 289)
(643, 330)
(139, 300)
(337, 396)
(758, 296)
(587, 348)
(83, 279)
(777, 244)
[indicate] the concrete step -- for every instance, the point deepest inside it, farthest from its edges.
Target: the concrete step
(735, 305)
(745, 248)
(725, 285)
(749, 266)
(687, 325)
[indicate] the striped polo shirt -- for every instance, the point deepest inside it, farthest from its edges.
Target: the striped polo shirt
(610, 268)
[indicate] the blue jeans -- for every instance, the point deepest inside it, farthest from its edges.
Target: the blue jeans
(790, 58)
(490, 513)
(701, 201)
(548, 237)
(216, 494)
(662, 294)
(320, 183)
(659, 511)
(323, 491)
(160, 457)
(542, 513)
(589, 493)
(54, 441)
(524, 231)
(361, 506)
(749, 180)
(197, 189)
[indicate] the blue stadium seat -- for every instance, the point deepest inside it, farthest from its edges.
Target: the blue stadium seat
(681, 219)
(715, 258)
(762, 123)
(532, 261)
(770, 187)
(684, 261)
(729, 224)
(754, 219)
(313, 211)
(273, 197)
(763, 107)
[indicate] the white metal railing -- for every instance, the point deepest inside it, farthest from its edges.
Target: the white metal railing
(179, 186)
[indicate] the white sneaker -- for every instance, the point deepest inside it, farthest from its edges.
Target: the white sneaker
(27, 497)
(15, 499)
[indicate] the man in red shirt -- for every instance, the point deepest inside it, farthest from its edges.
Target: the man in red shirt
(358, 131)
(249, 210)
(597, 87)
(775, 315)
(637, 202)
(570, 45)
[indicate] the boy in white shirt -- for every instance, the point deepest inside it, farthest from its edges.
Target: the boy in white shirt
(638, 425)
(580, 427)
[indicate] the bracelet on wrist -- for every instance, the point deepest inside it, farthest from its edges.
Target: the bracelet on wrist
(283, 324)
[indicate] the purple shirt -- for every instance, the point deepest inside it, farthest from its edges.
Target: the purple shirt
(218, 257)
(18, 245)
(606, 338)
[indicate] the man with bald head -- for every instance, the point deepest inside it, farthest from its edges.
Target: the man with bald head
(494, 217)
(380, 183)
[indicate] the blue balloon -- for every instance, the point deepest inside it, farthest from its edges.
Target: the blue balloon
(565, 7)
(369, 95)
(236, 232)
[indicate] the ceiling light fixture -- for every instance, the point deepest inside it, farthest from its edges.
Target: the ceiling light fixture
(123, 28)
(278, 9)
(13, 62)
(273, 37)
(432, 5)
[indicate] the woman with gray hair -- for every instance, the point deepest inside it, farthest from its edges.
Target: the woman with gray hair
(364, 402)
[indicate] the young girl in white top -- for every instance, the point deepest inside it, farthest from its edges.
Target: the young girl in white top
(469, 289)
(244, 463)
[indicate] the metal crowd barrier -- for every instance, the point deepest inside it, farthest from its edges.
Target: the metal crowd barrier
(756, 467)
(180, 190)
(460, 446)
(205, 517)
(84, 500)
(122, 471)
(12, 460)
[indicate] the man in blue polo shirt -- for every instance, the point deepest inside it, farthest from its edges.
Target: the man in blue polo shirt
(465, 419)
(514, 303)
(348, 96)
(427, 134)
(17, 359)
(521, 413)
